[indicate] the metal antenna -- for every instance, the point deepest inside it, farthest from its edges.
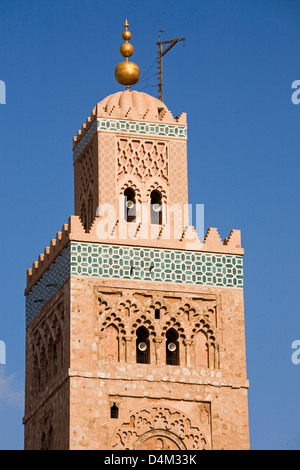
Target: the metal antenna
(161, 53)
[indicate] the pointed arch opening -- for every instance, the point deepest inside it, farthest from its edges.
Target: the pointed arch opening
(114, 412)
(172, 347)
(156, 207)
(157, 314)
(201, 350)
(142, 346)
(111, 346)
(129, 205)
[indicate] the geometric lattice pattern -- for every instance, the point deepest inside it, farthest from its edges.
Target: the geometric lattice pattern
(130, 127)
(135, 263)
(179, 173)
(107, 174)
(153, 264)
(142, 158)
(143, 128)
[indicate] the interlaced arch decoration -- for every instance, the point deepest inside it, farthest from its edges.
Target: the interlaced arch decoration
(86, 192)
(129, 308)
(156, 305)
(157, 187)
(144, 159)
(206, 327)
(47, 348)
(161, 422)
(175, 323)
(112, 318)
(104, 308)
(188, 319)
(132, 185)
(87, 169)
(187, 312)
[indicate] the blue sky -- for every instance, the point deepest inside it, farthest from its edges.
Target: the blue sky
(233, 78)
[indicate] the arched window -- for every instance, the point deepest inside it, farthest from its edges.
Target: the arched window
(201, 350)
(130, 205)
(172, 348)
(156, 207)
(157, 313)
(114, 412)
(111, 348)
(142, 346)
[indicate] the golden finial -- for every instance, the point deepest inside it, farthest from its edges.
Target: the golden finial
(127, 73)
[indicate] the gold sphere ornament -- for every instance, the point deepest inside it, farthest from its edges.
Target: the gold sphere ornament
(127, 73)
(126, 35)
(126, 49)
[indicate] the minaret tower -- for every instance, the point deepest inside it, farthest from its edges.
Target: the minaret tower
(135, 327)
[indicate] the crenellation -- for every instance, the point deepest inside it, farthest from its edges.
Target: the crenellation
(74, 231)
(233, 239)
(212, 238)
(120, 106)
(166, 116)
(47, 258)
(181, 119)
(135, 327)
(84, 129)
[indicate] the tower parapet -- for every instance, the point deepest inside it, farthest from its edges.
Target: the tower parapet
(74, 231)
(134, 326)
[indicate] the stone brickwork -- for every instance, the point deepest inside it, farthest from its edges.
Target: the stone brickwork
(47, 396)
(206, 400)
(137, 341)
(145, 156)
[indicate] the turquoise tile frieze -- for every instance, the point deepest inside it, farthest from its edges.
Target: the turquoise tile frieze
(153, 264)
(142, 128)
(130, 127)
(134, 263)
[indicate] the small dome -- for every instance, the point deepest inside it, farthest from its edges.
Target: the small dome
(131, 105)
(134, 104)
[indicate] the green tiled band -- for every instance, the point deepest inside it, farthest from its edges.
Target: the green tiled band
(151, 264)
(142, 128)
(130, 127)
(141, 264)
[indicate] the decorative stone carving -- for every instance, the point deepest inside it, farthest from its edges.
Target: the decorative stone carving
(47, 348)
(142, 159)
(159, 428)
(191, 321)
